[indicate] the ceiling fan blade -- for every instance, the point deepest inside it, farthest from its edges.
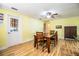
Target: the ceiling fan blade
(55, 14)
(52, 16)
(49, 13)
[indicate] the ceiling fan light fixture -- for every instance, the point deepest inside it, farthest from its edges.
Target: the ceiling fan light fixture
(48, 16)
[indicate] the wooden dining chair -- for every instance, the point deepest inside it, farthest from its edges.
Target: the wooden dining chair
(39, 38)
(54, 38)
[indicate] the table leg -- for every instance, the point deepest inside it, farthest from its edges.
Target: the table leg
(48, 44)
(34, 41)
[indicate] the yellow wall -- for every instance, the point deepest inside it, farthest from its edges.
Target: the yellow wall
(29, 27)
(74, 21)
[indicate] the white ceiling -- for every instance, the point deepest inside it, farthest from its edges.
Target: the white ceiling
(34, 9)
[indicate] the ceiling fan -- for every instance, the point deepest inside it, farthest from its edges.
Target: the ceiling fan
(48, 15)
(51, 15)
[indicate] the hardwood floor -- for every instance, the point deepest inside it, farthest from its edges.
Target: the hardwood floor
(64, 48)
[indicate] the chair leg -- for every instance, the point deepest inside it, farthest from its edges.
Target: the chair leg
(43, 49)
(34, 43)
(37, 45)
(43, 46)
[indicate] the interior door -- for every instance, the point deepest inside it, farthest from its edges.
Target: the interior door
(14, 30)
(70, 31)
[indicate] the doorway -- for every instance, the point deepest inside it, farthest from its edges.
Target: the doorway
(13, 30)
(70, 32)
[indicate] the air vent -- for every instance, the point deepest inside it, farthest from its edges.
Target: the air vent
(14, 8)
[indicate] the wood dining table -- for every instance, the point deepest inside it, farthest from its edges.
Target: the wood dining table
(48, 38)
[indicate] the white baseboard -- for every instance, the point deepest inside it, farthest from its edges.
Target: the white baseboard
(27, 40)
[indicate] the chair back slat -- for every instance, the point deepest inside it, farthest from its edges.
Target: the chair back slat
(39, 35)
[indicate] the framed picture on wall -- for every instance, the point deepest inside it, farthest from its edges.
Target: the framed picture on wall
(58, 26)
(1, 17)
